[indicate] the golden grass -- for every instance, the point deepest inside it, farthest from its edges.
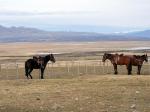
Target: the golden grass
(70, 70)
(72, 92)
(90, 93)
(24, 49)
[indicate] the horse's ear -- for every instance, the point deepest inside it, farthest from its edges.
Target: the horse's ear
(145, 54)
(51, 54)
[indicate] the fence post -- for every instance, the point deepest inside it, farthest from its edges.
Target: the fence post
(148, 67)
(103, 68)
(86, 69)
(7, 71)
(78, 68)
(72, 65)
(39, 73)
(68, 68)
(94, 69)
(100, 66)
(0, 68)
(52, 68)
(17, 71)
(107, 67)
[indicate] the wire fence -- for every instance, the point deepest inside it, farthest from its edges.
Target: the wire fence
(67, 69)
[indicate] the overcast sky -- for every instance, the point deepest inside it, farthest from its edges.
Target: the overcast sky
(124, 13)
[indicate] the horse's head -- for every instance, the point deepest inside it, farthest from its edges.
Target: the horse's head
(105, 57)
(49, 57)
(145, 57)
(142, 57)
(52, 58)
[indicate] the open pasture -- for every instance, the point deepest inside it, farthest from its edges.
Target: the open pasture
(68, 69)
(77, 82)
(29, 49)
(72, 59)
(88, 93)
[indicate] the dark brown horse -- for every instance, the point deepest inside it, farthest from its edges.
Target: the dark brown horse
(117, 59)
(137, 60)
(38, 62)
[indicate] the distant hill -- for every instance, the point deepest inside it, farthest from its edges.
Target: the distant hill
(144, 34)
(22, 34)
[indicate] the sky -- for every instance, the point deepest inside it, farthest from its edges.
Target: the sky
(125, 14)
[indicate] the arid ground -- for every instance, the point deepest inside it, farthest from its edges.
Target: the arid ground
(23, 49)
(88, 92)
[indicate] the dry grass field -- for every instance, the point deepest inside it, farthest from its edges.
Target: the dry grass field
(89, 93)
(11, 52)
(87, 87)
(23, 49)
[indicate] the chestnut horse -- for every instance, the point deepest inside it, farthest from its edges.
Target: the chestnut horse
(128, 60)
(137, 60)
(37, 62)
(117, 59)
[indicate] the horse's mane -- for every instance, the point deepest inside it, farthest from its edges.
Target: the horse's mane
(47, 57)
(121, 54)
(139, 56)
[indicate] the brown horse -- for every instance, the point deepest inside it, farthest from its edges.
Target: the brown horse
(137, 60)
(128, 60)
(117, 59)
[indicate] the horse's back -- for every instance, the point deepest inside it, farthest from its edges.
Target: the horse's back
(29, 62)
(123, 60)
(135, 60)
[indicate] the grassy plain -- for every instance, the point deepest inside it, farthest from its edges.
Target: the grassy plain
(10, 52)
(25, 49)
(87, 87)
(89, 93)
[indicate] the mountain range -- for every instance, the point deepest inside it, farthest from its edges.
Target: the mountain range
(24, 34)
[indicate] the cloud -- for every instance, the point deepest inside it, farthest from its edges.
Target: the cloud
(17, 13)
(93, 12)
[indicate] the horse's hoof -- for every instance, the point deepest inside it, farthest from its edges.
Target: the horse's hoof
(138, 73)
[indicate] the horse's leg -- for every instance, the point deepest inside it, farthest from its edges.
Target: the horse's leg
(115, 69)
(129, 68)
(26, 73)
(42, 73)
(139, 69)
(30, 72)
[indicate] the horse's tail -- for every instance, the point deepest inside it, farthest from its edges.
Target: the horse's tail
(26, 68)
